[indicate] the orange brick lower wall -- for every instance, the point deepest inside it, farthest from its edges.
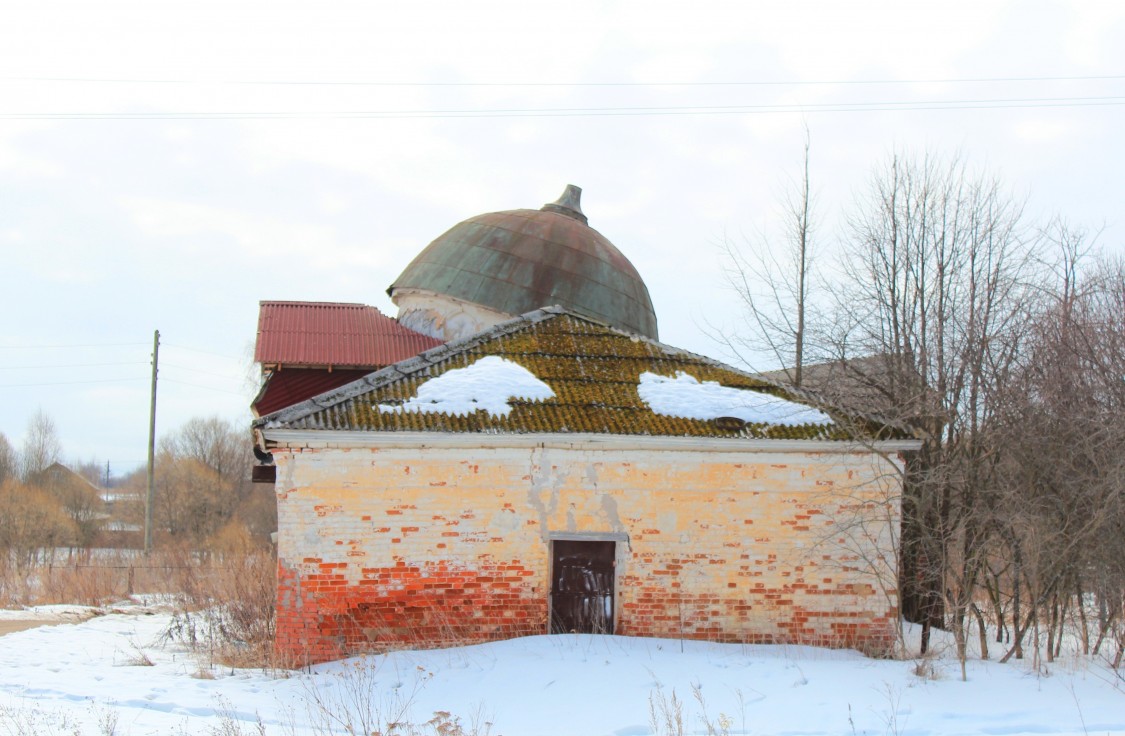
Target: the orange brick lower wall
(321, 616)
(795, 613)
(379, 549)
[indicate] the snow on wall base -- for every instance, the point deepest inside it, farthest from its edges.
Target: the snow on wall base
(385, 548)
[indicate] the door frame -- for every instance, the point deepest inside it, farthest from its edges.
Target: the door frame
(621, 540)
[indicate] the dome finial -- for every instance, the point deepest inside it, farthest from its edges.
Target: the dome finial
(569, 204)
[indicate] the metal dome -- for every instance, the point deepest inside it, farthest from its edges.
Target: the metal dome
(521, 260)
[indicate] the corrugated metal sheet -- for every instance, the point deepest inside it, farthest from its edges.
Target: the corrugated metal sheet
(293, 385)
(592, 369)
(332, 334)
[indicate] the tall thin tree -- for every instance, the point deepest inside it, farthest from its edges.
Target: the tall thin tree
(773, 280)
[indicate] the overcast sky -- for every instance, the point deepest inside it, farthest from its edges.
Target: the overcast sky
(166, 165)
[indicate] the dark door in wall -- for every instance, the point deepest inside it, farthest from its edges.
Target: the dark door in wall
(582, 587)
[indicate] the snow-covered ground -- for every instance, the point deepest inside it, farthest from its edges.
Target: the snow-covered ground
(115, 673)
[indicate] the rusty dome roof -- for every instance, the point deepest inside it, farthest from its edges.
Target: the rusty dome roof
(520, 260)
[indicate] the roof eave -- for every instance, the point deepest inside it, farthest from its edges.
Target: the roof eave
(350, 439)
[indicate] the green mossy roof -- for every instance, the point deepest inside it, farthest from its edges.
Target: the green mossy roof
(594, 371)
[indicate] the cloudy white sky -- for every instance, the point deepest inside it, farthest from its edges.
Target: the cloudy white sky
(168, 165)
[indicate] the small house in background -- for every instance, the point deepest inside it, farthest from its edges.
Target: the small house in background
(81, 502)
(562, 471)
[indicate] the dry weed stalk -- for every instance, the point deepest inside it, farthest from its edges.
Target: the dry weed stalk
(225, 608)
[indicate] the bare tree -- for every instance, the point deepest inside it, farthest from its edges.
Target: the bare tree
(41, 445)
(192, 500)
(93, 470)
(215, 443)
(31, 522)
(938, 281)
(939, 273)
(9, 460)
(1063, 445)
(954, 318)
(203, 491)
(77, 498)
(773, 281)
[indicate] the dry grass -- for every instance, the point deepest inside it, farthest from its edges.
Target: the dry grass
(85, 584)
(224, 604)
(358, 701)
(88, 577)
(224, 609)
(224, 612)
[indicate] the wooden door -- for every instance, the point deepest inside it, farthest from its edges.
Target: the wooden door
(582, 587)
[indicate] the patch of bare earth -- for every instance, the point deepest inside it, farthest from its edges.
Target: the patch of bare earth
(9, 627)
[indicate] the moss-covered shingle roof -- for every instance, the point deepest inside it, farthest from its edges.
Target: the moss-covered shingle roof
(593, 370)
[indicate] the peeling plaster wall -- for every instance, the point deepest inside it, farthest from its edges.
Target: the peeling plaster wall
(381, 546)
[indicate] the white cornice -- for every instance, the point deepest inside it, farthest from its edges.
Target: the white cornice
(323, 439)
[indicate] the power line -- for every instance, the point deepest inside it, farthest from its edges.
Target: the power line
(200, 350)
(87, 345)
(735, 83)
(206, 373)
(70, 383)
(994, 103)
(207, 388)
(69, 365)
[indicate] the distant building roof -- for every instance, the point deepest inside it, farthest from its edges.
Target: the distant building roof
(327, 334)
(56, 473)
(594, 380)
(880, 384)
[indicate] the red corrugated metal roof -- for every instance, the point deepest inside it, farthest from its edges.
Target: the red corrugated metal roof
(333, 334)
(293, 385)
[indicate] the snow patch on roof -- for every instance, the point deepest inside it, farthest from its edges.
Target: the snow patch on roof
(684, 396)
(488, 384)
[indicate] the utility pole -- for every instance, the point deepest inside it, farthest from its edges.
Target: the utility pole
(151, 445)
